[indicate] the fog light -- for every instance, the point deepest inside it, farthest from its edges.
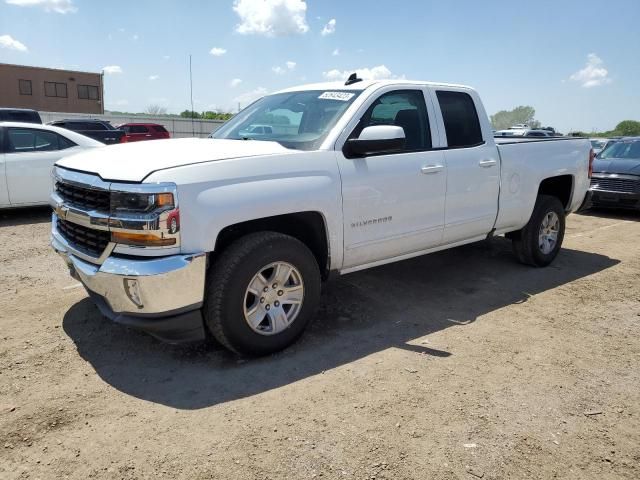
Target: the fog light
(132, 290)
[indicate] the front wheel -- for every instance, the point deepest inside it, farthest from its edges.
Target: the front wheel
(539, 242)
(261, 293)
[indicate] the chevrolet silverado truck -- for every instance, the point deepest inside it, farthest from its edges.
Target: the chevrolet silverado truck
(230, 237)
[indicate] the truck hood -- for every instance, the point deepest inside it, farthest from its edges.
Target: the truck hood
(132, 162)
(621, 166)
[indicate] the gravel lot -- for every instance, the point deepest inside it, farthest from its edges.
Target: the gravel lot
(458, 365)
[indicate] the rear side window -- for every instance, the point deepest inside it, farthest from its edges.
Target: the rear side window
(23, 116)
(138, 129)
(460, 119)
(161, 129)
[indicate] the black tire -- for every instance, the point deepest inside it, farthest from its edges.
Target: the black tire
(525, 241)
(227, 283)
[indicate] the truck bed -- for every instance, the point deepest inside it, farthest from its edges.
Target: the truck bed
(526, 162)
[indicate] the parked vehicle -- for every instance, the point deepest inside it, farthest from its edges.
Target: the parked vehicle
(27, 154)
(99, 130)
(235, 237)
(616, 175)
(523, 132)
(598, 144)
(256, 130)
(136, 132)
(24, 115)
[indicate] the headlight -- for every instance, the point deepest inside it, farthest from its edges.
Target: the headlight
(140, 202)
(145, 218)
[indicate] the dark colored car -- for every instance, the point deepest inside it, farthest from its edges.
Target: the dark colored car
(136, 132)
(99, 130)
(616, 175)
(24, 115)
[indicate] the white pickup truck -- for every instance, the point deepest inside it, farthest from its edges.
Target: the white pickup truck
(233, 235)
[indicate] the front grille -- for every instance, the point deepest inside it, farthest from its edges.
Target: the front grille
(614, 184)
(83, 198)
(82, 238)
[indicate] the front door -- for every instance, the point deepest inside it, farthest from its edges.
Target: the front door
(393, 204)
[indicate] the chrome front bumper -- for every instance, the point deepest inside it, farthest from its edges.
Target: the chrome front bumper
(141, 287)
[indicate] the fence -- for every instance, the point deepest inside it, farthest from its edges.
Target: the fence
(177, 127)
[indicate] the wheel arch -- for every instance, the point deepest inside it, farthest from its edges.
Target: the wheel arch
(310, 227)
(560, 186)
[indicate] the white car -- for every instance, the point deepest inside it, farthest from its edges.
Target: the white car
(27, 154)
(190, 237)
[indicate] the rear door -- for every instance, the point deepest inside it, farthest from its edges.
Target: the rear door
(473, 165)
(29, 158)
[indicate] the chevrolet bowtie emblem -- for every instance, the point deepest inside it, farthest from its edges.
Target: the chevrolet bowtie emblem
(62, 211)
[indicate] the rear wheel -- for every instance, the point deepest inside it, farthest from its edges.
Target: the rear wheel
(261, 293)
(539, 242)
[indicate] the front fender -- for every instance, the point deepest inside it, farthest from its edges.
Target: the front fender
(218, 194)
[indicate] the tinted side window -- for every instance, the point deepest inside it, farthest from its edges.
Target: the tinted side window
(138, 129)
(160, 128)
(27, 140)
(402, 108)
(460, 119)
(96, 126)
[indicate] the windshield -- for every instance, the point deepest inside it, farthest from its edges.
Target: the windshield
(626, 150)
(298, 120)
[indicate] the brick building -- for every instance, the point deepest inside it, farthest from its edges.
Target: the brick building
(50, 89)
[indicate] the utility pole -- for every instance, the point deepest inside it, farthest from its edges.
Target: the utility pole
(193, 128)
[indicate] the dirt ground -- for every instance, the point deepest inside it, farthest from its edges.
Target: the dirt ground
(458, 365)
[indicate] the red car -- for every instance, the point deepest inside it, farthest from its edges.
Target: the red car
(135, 132)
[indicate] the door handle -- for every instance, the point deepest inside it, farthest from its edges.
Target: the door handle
(427, 169)
(487, 163)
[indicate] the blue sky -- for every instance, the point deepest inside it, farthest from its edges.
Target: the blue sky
(575, 61)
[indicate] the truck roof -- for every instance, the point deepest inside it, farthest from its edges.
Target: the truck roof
(364, 84)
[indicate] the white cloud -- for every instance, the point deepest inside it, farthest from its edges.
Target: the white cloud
(248, 97)
(329, 28)
(278, 70)
(217, 52)
(336, 52)
(288, 66)
(593, 74)
(291, 65)
(154, 77)
(135, 37)
(235, 82)
(58, 6)
(7, 41)
(166, 57)
(379, 72)
(271, 17)
(112, 69)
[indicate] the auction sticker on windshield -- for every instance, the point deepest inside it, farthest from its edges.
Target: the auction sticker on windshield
(342, 96)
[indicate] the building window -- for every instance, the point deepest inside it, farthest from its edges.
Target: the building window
(53, 89)
(25, 87)
(88, 92)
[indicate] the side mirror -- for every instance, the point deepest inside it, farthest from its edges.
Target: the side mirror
(376, 140)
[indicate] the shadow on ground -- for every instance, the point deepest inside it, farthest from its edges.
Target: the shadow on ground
(361, 314)
(24, 216)
(613, 213)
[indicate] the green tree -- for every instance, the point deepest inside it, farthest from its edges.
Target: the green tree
(190, 114)
(507, 118)
(628, 128)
